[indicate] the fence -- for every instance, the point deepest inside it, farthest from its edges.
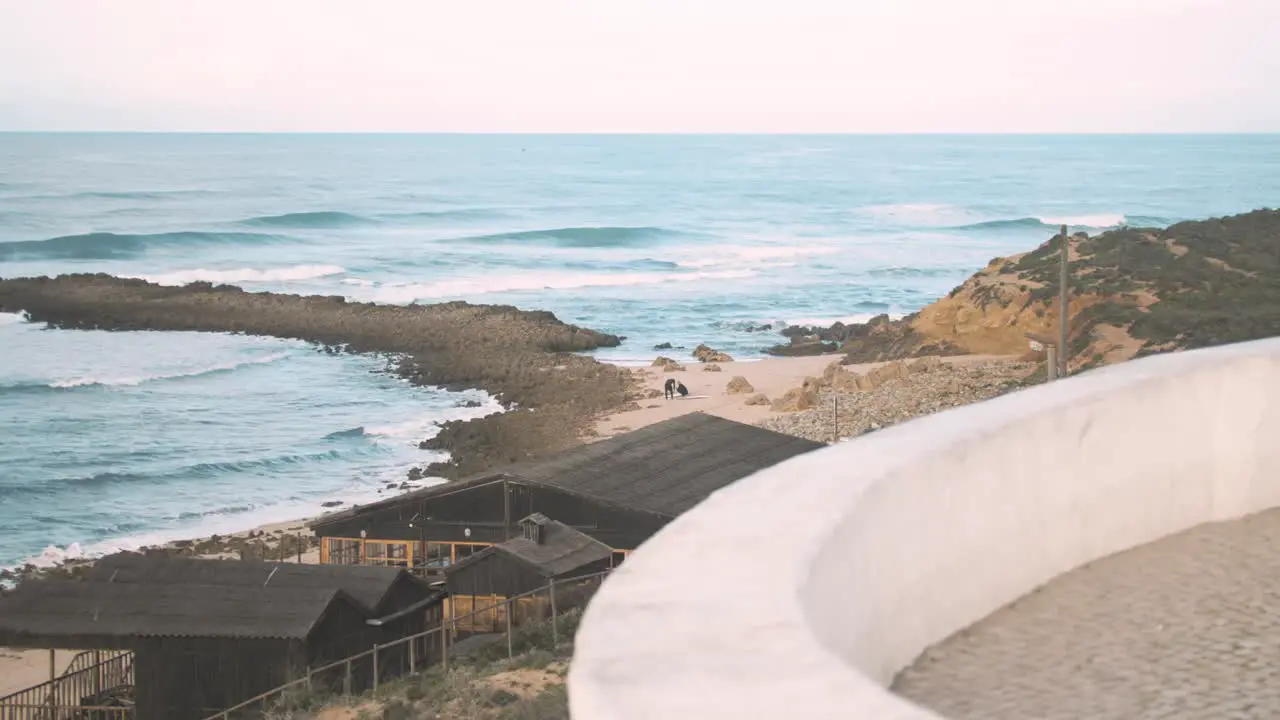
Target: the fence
(96, 686)
(413, 653)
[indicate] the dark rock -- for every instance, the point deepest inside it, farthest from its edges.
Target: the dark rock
(415, 473)
(331, 503)
(803, 349)
(662, 346)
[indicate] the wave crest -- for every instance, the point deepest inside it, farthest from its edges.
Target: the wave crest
(134, 381)
(311, 220)
(245, 275)
(108, 246)
(578, 237)
(402, 293)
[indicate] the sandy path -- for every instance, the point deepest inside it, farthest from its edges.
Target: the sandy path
(772, 376)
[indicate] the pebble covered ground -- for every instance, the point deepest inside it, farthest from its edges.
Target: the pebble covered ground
(895, 399)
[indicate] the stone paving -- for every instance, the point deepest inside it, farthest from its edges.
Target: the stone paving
(1185, 627)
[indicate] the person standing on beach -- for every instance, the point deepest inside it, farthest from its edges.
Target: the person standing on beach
(669, 389)
(684, 391)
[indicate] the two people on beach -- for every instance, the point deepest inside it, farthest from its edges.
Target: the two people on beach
(672, 387)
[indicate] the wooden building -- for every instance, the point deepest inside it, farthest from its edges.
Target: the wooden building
(208, 634)
(619, 491)
(544, 551)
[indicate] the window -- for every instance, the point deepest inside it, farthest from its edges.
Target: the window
(343, 551)
(386, 552)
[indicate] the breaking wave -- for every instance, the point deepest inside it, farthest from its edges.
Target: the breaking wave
(1098, 222)
(108, 246)
(578, 237)
(136, 380)
(401, 293)
(245, 275)
(311, 220)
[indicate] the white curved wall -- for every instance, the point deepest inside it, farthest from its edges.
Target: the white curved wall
(801, 591)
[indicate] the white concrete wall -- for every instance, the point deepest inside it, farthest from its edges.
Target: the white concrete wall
(799, 592)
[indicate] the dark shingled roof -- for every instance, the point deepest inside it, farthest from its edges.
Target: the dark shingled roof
(562, 550)
(368, 585)
(665, 468)
(118, 611)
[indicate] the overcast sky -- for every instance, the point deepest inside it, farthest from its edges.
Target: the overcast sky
(641, 65)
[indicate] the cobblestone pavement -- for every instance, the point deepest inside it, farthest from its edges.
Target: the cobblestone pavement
(1185, 627)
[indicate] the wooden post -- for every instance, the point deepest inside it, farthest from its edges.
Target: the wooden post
(298, 539)
(1063, 348)
(835, 430)
(53, 682)
(510, 652)
(346, 680)
(413, 665)
(1051, 363)
(97, 673)
(375, 667)
(506, 510)
(555, 625)
(444, 640)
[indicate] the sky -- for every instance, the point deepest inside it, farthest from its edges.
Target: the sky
(770, 66)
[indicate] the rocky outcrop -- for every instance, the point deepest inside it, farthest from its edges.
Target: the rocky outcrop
(524, 358)
(711, 368)
(757, 399)
(738, 385)
(801, 398)
(662, 346)
(1132, 292)
(706, 354)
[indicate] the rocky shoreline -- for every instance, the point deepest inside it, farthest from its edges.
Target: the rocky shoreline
(526, 359)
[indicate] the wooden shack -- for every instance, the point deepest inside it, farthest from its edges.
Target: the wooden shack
(206, 634)
(544, 551)
(619, 491)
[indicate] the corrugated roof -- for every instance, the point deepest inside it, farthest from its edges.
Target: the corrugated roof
(65, 608)
(668, 467)
(367, 584)
(562, 550)
(665, 468)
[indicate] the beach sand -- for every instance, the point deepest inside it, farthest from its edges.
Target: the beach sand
(772, 376)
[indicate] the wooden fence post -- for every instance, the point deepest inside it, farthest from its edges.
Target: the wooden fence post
(510, 652)
(346, 680)
(413, 665)
(375, 667)
(555, 624)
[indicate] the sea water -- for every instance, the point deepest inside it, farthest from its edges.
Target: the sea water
(115, 439)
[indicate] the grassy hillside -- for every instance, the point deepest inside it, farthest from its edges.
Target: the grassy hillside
(1132, 292)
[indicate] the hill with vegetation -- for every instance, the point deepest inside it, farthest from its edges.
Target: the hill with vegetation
(1131, 292)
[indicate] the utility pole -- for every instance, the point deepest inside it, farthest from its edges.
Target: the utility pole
(1063, 352)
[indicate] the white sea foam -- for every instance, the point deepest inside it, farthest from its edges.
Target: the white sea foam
(12, 319)
(927, 214)
(846, 319)
(1102, 220)
(414, 431)
(401, 292)
(245, 275)
(759, 256)
(135, 380)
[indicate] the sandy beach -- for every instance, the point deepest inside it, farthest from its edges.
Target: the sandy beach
(770, 376)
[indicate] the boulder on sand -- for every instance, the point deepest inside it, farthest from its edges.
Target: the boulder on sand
(739, 386)
(758, 399)
(711, 368)
(667, 364)
(801, 398)
(707, 354)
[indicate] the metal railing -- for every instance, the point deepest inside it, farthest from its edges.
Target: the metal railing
(406, 649)
(84, 692)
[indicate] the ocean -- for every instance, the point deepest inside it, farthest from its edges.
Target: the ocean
(112, 440)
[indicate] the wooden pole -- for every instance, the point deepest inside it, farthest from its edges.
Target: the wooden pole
(346, 680)
(375, 667)
(506, 510)
(1063, 350)
(1051, 363)
(510, 651)
(413, 665)
(555, 625)
(835, 431)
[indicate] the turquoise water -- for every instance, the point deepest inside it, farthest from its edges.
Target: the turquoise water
(108, 440)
